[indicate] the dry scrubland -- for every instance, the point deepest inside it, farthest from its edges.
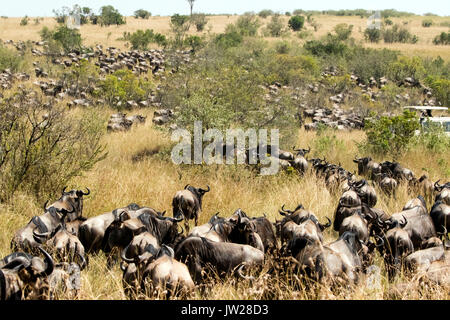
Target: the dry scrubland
(152, 181)
(93, 34)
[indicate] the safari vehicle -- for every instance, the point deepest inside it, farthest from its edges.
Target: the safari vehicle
(427, 117)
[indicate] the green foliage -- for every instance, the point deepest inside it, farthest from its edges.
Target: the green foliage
(179, 21)
(343, 31)
(367, 62)
(61, 37)
(141, 13)
(275, 28)
(200, 21)
(406, 67)
(194, 42)
(398, 34)
(85, 13)
(109, 16)
(246, 25)
(40, 154)
(141, 39)
(330, 45)
(24, 21)
(282, 47)
(228, 39)
(326, 144)
(388, 22)
(123, 86)
(10, 60)
(443, 38)
(372, 34)
(432, 136)
(390, 135)
(426, 23)
(265, 13)
(441, 89)
(179, 25)
(296, 22)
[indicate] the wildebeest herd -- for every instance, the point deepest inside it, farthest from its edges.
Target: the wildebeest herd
(156, 254)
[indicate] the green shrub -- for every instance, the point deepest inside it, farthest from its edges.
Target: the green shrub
(390, 135)
(406, 67)
(432, 136)
(194, 42)
(229, 39)
(388, 22)
(441, 89)
(141, 39)
(398, 34)
(275, 27)
(40, 155)
(343, 31)
(443, 38)
(426, 23)
(282, 47)
(200, 21)
(62, 37)
(296, 23)
(328, 46)
(246, 25)
(265, 13)
(304, 34)
(372, 35)
(24, 21)
(143, 14)
(123, 86)
(10, 60)
(109, 16)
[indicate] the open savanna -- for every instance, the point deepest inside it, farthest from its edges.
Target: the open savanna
(152, 181)
(10, 29)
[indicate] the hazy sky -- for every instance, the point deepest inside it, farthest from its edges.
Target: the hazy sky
(19, 8)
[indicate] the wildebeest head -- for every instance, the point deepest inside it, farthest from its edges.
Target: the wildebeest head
(362, 164)
(72, 198)
(301, 152)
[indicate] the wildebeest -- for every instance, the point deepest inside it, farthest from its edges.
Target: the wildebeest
(339, 260)
(299, 162)
(92, 231)
(166, 273)
(367, 167)
(200, 254)
(48, 222)
(349, 202)
(440, 214)
(365, 192)
(420, 226)
(398, 172)
(388, 184)
(25, 277)
(443, 192)
(422, 259)
(187, 203)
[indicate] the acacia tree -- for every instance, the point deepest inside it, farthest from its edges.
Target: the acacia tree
(191, 4)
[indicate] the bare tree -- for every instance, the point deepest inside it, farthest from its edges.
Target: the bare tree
(191, 4)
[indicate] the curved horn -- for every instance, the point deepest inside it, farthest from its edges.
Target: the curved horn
(381, 240)
(64, 189)
(123, 255)
(402, 224)
(239, 272)
(17, 263)
(324, 226)
(82, 261)
(186, 186)
(209, 189)
(45, 206)
(122, 266)
(49, 261)
(86, 193)
(182, 231)
(288, 211)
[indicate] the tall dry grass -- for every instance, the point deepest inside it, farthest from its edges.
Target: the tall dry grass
(152, 181)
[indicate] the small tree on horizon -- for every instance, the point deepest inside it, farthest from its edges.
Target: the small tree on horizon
(191, 4)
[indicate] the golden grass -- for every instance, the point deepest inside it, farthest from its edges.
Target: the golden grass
(118, 181)
(93, 34)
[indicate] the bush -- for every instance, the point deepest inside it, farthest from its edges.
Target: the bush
(194, 42)
(62, 37)
(296, 22)
(246, 25)
(109, 15)
(229, 39)
(24, 21)
(441, 89)
(275, 27)
(10, 60)
(388, 22)
(343, 31)
(398, 34)
(141, 13)
(406, 67)
(432, 136)
(372, 35)
(199, 20)
(427, 23)
(390, 135)
(282, 47)
(329, 46)
(123, 86)
(443, 38)
(141, 39)
(265, 13)
(41, 154)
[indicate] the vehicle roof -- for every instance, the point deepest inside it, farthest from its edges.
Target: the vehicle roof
(439, 118)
